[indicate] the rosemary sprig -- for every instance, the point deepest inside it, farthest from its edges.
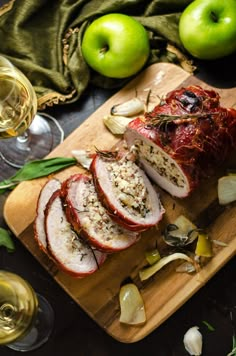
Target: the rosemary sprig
(106, 154)
(165, 119)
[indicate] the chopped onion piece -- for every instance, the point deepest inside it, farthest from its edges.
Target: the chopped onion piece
(131, 305)
(219, 243)
(152, 256)
(186, 267)
(151, 270)
(181, 232)
(204, 246)
(227, 189)
(83, 157)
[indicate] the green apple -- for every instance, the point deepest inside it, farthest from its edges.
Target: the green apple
(115, 45)
(207, 28)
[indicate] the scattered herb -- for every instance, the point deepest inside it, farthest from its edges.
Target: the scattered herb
(208, 325)
(233, 352)
(37, 169)
(6, 241)
(107, 154)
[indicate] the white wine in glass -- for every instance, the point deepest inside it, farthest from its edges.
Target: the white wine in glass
(29, 135)
(26, 318)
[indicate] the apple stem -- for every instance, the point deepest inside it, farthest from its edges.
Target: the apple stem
(104, 49)
(214, 16)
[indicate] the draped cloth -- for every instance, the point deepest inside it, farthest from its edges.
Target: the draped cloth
(43, 39)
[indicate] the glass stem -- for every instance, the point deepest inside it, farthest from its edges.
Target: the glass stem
(22, 141)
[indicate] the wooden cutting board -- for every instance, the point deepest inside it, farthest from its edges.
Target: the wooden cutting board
(167, 290)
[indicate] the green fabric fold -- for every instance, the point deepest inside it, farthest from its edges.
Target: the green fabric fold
(43, 39)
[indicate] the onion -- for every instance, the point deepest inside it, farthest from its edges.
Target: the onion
(152, 256)
(204, 246)
(182, 232)
(151, 270)
(131, 305)
(227, 189)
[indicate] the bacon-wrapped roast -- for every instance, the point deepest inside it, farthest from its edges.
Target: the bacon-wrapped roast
(183, 138)
(126, 192)
(71, 253)
(88, 216)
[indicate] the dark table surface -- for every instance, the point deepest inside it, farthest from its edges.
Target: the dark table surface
(74, 333)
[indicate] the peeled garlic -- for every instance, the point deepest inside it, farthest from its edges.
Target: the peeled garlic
(193, 341)
(129, 108)
(116, 124)
(131, 305)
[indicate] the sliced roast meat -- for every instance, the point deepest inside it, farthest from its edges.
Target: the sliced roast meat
(126, 192)
(183, 139)
(88, 216)
(70, 252)
(46, 192)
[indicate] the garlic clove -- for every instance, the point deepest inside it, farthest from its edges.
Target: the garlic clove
(129, 108)
(193, 341)
(116, 124)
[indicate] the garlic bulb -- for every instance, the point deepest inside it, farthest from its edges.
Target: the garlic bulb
(193, 341)
(129, 108)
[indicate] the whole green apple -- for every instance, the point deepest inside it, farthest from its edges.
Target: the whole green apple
(115, 45)
(207, 28)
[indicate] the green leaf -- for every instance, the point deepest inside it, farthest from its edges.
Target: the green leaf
(6, 241)
(233, 352)
(37, 169)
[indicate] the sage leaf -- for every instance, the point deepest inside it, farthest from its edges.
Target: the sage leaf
(6, 241)
(37, 169)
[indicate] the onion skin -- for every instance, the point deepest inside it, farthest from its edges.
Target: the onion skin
(200, 138)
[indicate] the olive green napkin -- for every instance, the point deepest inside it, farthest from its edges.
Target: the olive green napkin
(43, 39)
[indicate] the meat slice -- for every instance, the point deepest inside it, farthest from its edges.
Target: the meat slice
(126, 192)
(183, 139)
(69, 251)
(46, 192)
(88, 216)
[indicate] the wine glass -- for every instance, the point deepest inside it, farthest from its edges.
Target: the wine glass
(26, 318)
(28, 133)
